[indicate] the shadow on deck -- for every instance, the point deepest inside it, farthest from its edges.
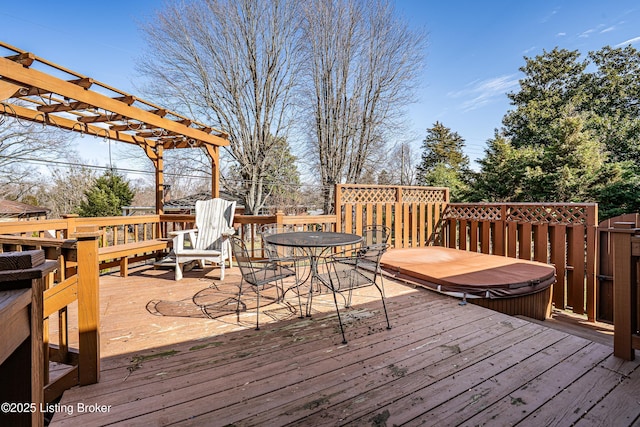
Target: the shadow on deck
(177, 353)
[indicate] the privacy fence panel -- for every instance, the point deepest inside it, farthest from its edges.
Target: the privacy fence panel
(560, 234)
(412, 213)
(605, 264)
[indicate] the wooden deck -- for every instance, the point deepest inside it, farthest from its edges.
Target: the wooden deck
(175, 353)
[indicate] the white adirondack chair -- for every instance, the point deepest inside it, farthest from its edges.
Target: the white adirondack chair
(208, 242)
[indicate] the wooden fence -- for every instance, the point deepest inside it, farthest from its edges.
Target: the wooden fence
(625, 249)
(553, 233)
(605, 264)
(412, 213)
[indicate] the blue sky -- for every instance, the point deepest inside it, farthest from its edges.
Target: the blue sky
(475, 49)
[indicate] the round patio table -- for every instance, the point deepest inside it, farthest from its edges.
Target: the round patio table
(313, 239)
(315, 244)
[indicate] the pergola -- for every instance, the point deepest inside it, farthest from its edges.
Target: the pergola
(30, 91)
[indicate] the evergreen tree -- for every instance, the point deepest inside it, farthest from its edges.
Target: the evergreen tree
(504, 169)
(573, 134)
(282, 183)
(552, 81)
(443, 162)
(615, 101)
(107, 196)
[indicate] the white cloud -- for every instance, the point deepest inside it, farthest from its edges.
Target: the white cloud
(606, 30)
(590, 31)
(628, 42)
(482, 92)
(561, 34)
(549, 16)
(586, 34)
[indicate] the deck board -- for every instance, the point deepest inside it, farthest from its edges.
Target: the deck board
(166, 361)
(529, 397)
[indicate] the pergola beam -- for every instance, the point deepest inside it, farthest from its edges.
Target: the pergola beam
(75, 104)
(34, 78)
(43, 118)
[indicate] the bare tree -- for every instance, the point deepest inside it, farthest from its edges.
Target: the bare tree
(65, 189)
(22, 146)
(363, 66)
(400, 168)
(234, 64)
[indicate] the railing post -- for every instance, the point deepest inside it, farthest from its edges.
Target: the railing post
(88, 304)
(338, 209)
(623, 293)
(591, 225)
(22, 357)
(279, 218)
(71, 224)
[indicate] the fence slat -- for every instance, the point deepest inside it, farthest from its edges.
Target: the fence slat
(525, 241)
(485, 237)
(473, 239)
(576, 260)
(512, 239)
(558, 244)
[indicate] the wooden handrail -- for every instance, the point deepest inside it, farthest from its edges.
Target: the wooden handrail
(626, 256)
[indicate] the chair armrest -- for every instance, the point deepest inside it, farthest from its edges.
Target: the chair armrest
(228, 232)
(178, 238)
(349, 255)
(178, 232)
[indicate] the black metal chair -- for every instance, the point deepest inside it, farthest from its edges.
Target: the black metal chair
(354, 269)
(258, 273)
(375, 236)
(293, 258)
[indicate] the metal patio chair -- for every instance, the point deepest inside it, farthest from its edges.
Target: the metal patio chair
(258, 273)
(354, 269)
(289, 257)
(375, 236)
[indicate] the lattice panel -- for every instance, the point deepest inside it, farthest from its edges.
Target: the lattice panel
(419, 195)
(531, 213)
(561, 214)
(369, 195)
(389, 194)
(471, 212)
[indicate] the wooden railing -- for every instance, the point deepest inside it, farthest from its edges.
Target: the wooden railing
(113, 230)
(75, 280)
(563, 235)
(560, 234)
(605, 264)
(22, 280)
(626, 274)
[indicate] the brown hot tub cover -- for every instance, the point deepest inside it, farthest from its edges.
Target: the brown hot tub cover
(462, 273)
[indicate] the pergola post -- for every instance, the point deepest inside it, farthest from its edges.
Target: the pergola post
(214, 155)
(159, 164)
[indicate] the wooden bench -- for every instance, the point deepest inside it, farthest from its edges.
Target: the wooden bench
(121, 255)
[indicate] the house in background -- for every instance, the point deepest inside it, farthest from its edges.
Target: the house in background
(185, 205)
(11, 211)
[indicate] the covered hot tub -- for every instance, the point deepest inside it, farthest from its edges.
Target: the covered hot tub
(511, 286)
